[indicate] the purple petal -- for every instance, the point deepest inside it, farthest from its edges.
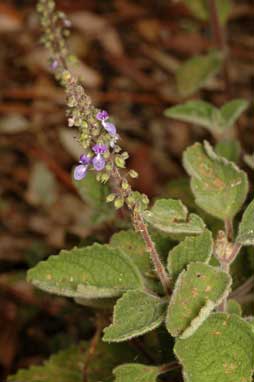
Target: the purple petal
(100, 149)
(110, 128)
(102, 115)
(98, 162)
(54, 64)
(79, 172)
(84, 159)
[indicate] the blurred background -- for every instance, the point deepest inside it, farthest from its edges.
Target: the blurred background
(132, 55)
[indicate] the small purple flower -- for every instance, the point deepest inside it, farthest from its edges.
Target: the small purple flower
(109, 127)
(100, 148)
(80, 172)
(84, 159)
(102, 115)
(99, 162)
(67, 23)
(54, 65)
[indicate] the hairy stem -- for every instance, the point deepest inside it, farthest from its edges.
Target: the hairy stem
(225, 266)
(218, 34)
(229, 229)
(141, 227)
(170, 366)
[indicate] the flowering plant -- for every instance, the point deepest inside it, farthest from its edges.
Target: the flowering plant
(170, 275)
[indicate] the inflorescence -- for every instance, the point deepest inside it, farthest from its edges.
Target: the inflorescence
(98, 134)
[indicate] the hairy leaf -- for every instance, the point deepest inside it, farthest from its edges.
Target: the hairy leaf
(192, 249)
(196, 71)
(197, 112)
(94, 194)
(133, 372)
(219, 187)
(201, 286)
(65, 366)
(135, 313)
(229, 149)
(106, 357)
(91, 272)
(233, 307)
(231, 111)
(131, 243)
(171, 216)
(222, 350)
(246, 228)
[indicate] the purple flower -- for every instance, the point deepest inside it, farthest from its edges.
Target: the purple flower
(54, 65)
(84, 159)
(80, 171)
(100, 149)
(98, 162)
(102, 115)
(109, 127)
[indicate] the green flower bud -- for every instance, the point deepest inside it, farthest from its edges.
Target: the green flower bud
(104, 178)
(110, 198)
(133, 174)
(66, 76)
(125, 184)
(125, 155)
(119, 161)
(145, 199)
(119, 202)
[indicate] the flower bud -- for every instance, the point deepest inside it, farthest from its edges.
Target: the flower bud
(119, 202)
(119, 161)
(133, 174)
(110, 198)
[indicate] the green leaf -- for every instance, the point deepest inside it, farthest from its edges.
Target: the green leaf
(180, 189)
(197, 112)
(134, 372)
(208, 116)
(91, 272)
(105, 358)
(232, 110)
(222, 350)
(192, 249)
(200, 9)
(233, 307)
(94, 194)
(171, 216)
(246, 228)
(196, 71)
(65, 366)
(132, 244)
(219, 186)
(229, 149)
(135, 313)
(197, 291)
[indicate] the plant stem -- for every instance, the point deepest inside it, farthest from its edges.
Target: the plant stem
(225, 266)
(141, 227)
(229, 229)
(218, 34)
(243, 289)
(170, 366)
(159, 267)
